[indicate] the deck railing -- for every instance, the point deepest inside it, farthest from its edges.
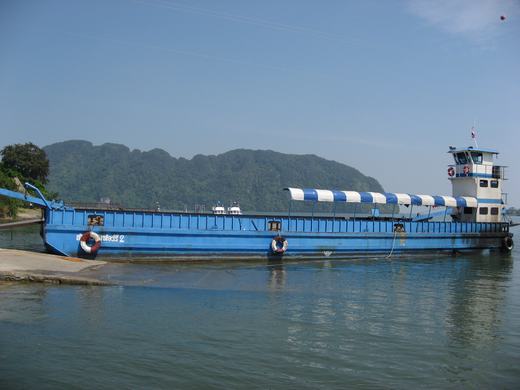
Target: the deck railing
(207, 222)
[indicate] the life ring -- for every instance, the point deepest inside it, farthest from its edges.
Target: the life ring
(466, 169)
(86, 242)
(279, 245)
(451, 171)
(508, 243)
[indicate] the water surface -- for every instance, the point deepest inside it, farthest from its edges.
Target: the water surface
(429, 322)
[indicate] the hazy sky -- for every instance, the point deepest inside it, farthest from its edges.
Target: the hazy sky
(384, 86)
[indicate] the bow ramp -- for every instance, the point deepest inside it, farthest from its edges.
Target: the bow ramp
(40, 201)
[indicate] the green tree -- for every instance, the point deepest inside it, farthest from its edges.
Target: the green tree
(28, 160)
(8, 207)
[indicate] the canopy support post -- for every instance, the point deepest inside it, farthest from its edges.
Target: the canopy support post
(393, 211)
(312, 215)
(411, 208)
(445, 213)
(289, 216)
(333, 216)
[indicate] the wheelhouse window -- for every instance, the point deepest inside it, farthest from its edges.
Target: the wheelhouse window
(476, 157)
(461, 158)
(483, 211)
(494, 183)
(468, 210)
(483, 183)
(494, 210)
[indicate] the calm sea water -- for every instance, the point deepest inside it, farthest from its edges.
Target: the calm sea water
(435, 322)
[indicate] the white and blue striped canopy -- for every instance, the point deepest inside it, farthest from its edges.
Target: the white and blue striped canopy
(379, 198)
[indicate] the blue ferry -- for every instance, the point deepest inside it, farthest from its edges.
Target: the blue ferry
(472, 218)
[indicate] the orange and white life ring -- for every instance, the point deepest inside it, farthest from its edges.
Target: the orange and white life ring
(465, 169)
(90, 242)
(279, 245)
(451, 171)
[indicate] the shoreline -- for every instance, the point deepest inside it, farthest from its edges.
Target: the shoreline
(30, 277)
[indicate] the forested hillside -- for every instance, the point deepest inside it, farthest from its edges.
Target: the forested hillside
(80, 171)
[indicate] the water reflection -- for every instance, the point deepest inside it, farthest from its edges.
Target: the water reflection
(277, 276)
(93, 306)
(370, 309)
(477, 299)
(26, 238)
(22, 303)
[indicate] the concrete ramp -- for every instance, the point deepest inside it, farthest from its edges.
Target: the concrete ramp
(43, 267)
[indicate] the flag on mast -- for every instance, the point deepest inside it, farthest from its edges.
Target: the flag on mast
(474, 135)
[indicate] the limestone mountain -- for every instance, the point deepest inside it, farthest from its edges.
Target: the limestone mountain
(83, 172)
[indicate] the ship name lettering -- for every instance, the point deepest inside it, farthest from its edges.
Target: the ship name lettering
(107, 237)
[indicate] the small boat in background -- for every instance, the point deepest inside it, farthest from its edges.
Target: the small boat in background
(234, 209)
(218, 209)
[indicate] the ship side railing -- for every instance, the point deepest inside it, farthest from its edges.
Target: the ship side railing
(262, 223)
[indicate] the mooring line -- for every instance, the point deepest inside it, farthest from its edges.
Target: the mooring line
(393, 243)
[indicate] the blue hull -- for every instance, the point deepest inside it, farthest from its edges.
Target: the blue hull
(203, 236)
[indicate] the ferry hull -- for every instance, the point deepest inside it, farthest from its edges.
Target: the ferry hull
(126, 234)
